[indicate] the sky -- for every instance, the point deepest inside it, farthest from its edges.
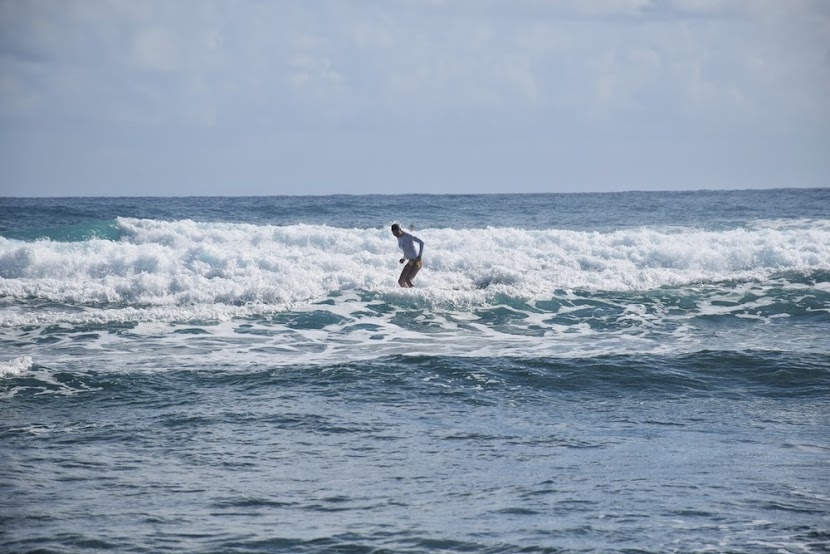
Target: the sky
(270, 97)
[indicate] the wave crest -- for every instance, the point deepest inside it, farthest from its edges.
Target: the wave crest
(186, 263)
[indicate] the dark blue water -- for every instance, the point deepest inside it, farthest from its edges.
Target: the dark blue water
(639, 372)
(590, 211)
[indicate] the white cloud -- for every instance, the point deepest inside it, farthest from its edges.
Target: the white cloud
(602, 7)
(155, 49)
(16, 98)
(764, 9)
(429, 57)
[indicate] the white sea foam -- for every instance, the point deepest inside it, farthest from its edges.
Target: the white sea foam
(163, 270)
(11, 368)
(355, 326)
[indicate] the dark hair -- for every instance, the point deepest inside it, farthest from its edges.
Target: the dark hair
(396, 227)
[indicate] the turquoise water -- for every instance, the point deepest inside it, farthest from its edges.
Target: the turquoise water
(621, 372)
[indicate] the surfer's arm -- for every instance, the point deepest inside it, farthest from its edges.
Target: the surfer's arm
(420, 246)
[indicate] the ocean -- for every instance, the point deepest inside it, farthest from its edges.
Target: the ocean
(626, 372)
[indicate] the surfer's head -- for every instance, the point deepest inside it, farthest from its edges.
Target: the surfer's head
(396, 230)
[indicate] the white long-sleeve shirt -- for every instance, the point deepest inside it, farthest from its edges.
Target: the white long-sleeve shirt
(406, 242)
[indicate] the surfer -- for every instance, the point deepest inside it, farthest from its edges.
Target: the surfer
(406, 242)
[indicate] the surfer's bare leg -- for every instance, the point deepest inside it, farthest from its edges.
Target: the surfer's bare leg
(409, 271)
(403, 280)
